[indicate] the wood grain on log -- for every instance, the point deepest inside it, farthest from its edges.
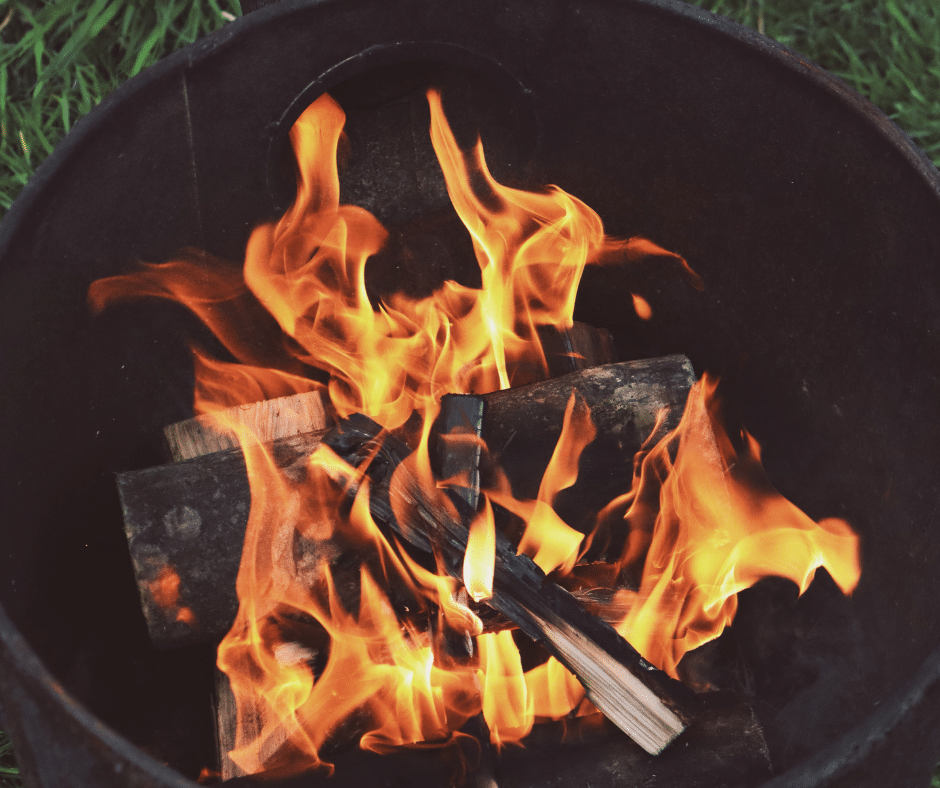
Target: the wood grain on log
(268, 421)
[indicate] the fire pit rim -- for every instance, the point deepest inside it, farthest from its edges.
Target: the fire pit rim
(231, 33)
(26, 668)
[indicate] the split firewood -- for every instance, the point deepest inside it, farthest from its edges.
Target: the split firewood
(629, 403)
(642, 701)
(185, 522)
(226, 717)
(270, 420)
(462, 417)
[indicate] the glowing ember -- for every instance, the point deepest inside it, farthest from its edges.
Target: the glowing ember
(703, 521)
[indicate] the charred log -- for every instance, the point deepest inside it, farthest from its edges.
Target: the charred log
(724, 746)
(579, 347)
(185, 524)
(630, 403)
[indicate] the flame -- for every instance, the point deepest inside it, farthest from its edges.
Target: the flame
(718, 528)
(507, 704)
(300, 300)
(317, 653)
(384, 672)
(165, 591)
(480, 555)
(550, 542)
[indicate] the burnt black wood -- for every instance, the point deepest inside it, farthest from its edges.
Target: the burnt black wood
(523, 424)
(189, 518)
(722, 748)
(578, 347)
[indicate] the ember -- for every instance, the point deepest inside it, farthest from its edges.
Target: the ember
(696, 521)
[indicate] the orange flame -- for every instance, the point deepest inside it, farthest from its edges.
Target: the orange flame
(480, 555)
(301, 300)
(383, 671)
(507, 705)
(165, 590)
(719, 527)
(374, 658)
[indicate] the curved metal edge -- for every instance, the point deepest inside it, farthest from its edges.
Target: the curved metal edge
(85, 127)
(24, 677)
(839, 759)
(385, 54)
(802, 65)
(16, 654)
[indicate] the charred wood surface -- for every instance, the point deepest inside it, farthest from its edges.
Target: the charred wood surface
(185, 523)
(629, 402)
(580, 347)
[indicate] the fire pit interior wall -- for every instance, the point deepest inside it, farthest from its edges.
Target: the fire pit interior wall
(812, 220)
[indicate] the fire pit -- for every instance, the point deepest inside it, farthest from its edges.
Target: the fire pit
(810, 218)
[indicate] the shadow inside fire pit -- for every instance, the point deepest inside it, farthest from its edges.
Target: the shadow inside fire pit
(723, 748)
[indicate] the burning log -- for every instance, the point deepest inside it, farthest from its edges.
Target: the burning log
(642, 701)
(628, 403)
(185, 522)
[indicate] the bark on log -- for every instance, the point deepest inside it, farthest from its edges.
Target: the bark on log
(185, 524)
(628, 403)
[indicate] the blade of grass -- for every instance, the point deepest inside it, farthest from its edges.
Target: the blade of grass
(902, 20)
(145, 50)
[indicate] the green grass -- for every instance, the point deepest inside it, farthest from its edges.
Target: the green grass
(9, 774)
(59, 58)
(888, 50)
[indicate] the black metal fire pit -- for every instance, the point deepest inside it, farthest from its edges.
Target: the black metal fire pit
(814, 222)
